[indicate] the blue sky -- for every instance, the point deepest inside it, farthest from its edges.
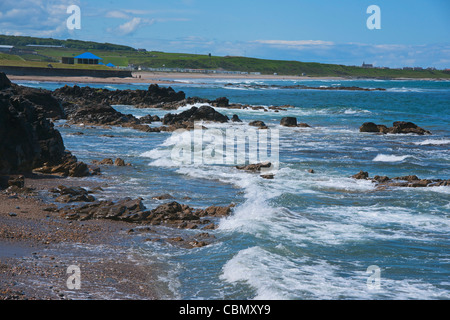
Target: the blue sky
(413, 33)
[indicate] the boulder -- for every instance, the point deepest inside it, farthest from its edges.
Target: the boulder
(399, 127)
(258, 123)
(289, 122)
(204, 113)
(235, 118)
(402, 127)
(361, 175)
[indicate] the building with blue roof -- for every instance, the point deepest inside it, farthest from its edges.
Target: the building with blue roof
(88, 58)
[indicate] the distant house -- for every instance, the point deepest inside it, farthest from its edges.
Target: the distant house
(110, 65)
(367, 65)
(4, 48)
(88, 58)
(408, 68)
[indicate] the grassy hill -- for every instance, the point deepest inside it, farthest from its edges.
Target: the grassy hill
(123, 56)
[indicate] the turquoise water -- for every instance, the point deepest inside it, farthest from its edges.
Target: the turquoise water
(301, 235)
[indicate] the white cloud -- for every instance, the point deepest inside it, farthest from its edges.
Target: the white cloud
(132, 25)
(34, 17)
(117, 14)
(294, 43)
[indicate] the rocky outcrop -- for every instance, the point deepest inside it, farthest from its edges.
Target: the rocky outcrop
(204, 113)
(5, 83)
(69, 166)
(154, 95)
(72, 194)
(186, 119)
(399, 127)
(172, 214)
(28, 140)
(110, 162)
(411, 181)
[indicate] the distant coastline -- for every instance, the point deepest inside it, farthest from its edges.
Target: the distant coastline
(172, 77)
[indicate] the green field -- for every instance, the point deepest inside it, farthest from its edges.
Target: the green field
(122, 56)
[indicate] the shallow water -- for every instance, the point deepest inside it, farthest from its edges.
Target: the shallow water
(301, 235)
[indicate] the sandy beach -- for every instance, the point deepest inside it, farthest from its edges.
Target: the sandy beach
(161, 78)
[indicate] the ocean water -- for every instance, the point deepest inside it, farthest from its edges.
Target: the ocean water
(301, 235)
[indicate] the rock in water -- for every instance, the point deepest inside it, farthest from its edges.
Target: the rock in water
(204, 113)
(289, 122)
(399, 127)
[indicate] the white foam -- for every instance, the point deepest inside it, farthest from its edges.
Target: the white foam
(283, 277)
(433, 142)
(390, 158)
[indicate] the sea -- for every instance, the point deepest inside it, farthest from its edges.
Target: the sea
(301, 235)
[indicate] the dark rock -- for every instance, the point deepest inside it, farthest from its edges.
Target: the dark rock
(222, 102)
(204, 113)
(399, 127)
(303, 125)
(255, 167)
(154, 96)
(411, 181)
(72, 194)
(402, 127)
(163, 197)
(70, 167)
(17, 181)
(106, 162)
(289, 122)
(361, 175)
(235, 118)
(119, 162)
(27, 139)
(4, 81)
(372, 127)
(259, 124)
(269, 176)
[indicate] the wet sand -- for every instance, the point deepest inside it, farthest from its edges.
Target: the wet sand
(37, 246)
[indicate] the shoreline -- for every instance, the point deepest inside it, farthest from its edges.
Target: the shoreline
(38, 245)
(172, 77)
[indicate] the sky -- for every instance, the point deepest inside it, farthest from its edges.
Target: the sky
(413, 33)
